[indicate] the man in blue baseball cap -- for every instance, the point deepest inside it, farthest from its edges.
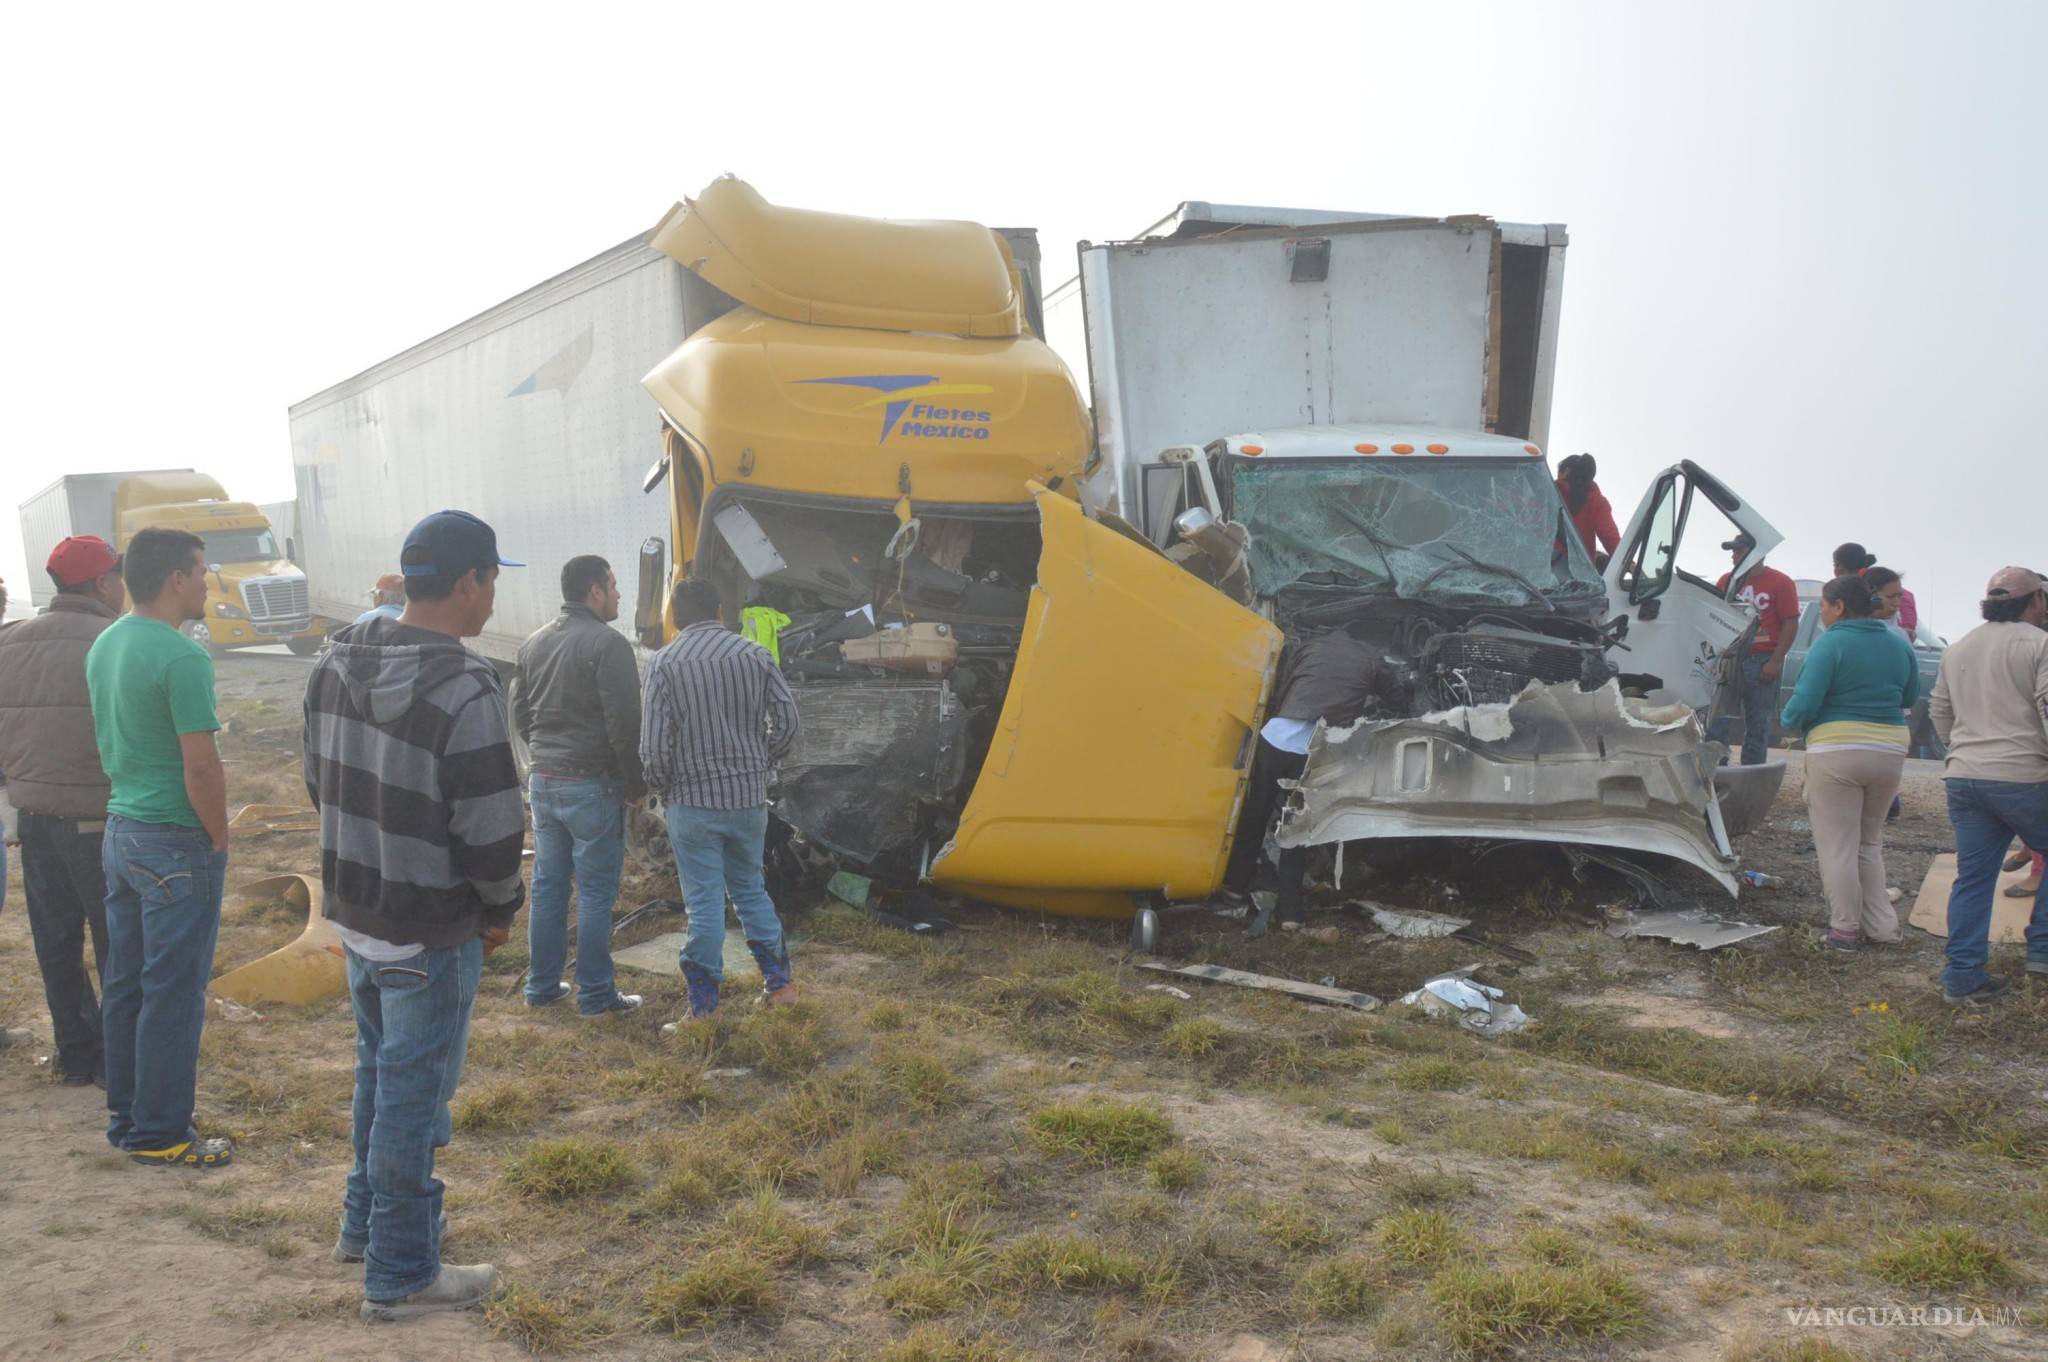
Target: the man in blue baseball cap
(408, 755)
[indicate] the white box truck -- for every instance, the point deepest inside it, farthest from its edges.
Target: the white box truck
(1366, 398)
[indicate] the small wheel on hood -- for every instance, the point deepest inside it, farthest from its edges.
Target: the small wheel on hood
(1145, 932)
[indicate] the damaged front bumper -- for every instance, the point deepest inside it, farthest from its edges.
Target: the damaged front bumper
(1556, 764)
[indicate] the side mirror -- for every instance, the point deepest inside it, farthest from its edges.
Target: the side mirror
(647, 614)
(213, 568)
(291, 548)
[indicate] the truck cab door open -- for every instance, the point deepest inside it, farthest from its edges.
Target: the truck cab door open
(1125, 741)
(1680, 623)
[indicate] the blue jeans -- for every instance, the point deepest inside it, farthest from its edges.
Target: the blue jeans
(412, 1028)
(1759, 711)
(164, 884)
(718, 855)
(1987, 815)
(579, 831)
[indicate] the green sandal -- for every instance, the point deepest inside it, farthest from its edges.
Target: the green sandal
(188, 1154)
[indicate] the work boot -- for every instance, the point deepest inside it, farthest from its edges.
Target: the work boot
(703, 986)
(1995, 986)
(457, 1288)
(776, 986)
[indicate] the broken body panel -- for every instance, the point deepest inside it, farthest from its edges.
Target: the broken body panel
(1556, 764)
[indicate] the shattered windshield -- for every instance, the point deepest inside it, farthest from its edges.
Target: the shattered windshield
(1449, 530)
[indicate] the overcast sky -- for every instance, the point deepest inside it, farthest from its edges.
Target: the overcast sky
(1805, 238)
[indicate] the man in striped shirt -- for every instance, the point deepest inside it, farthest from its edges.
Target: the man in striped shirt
(716, 717)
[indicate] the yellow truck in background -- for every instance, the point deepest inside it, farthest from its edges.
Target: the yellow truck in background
(255, 595)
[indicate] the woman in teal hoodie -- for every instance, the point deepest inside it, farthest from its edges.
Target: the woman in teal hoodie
(1859, 679)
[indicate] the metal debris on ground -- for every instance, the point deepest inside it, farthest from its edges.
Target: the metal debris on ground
(307, 969)
(727, 1073)
(1690, 927)
(1237, 978)
(1476, 1006)
(1414, 922)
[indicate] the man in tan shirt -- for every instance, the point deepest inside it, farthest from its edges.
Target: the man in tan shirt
(1990, 707)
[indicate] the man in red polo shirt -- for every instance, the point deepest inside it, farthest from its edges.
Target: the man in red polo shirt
(1776, 602)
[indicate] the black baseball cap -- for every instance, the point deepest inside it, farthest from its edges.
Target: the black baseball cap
(1743, 540)
(450, 543)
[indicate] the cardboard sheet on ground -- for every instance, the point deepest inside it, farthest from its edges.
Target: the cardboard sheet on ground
(2009, 917)
(663, 955)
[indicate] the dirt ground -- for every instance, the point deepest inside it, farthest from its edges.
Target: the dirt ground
(1008, 1142)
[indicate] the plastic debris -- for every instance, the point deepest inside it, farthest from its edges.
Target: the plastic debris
(727, 1073)
(1756, 879)
(1179, 993)
(227, 1009)
(1477, 1007)
(1414, 922)
(1690, 927)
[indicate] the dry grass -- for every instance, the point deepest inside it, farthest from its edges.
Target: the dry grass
(958, 1150)
(1102, 1131)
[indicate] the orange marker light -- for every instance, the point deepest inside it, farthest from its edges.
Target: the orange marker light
(1439, 449)
(1367, 449)
(1531, 449)
(1251, 449)
(1404, 449)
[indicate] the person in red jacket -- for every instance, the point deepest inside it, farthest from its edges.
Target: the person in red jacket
(1591, 514)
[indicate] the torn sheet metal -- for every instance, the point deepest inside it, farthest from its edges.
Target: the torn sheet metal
(1557, 764)
(1689, 927)
(868, 759)
(1477, 1007)
(1314, 993)
(1415, 923)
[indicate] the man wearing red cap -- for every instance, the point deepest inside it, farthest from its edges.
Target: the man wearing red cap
(52, 760)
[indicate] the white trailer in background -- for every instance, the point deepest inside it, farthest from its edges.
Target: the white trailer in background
(530, 415)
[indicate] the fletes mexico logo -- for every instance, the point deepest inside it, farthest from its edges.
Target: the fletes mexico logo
(901, 393)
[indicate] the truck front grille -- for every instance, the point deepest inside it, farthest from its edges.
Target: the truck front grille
(277, 604)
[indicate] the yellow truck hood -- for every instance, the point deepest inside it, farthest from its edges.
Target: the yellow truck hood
(1125, 742)
(830, 269)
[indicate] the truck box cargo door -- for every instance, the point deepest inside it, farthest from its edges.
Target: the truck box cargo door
(1121, 755)
(1681, 623)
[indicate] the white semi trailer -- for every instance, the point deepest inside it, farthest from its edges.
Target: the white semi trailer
(530, 415)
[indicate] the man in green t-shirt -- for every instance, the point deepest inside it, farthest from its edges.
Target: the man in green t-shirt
(166, 849)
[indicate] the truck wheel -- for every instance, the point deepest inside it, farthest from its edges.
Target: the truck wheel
(305, 647)
(1145, 932)
(197, 631)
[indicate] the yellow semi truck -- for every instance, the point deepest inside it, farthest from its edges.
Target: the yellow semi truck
(863, 435)
(255, 595)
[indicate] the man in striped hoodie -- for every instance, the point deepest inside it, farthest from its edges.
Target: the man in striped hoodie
(715, 718)
(409, 760)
